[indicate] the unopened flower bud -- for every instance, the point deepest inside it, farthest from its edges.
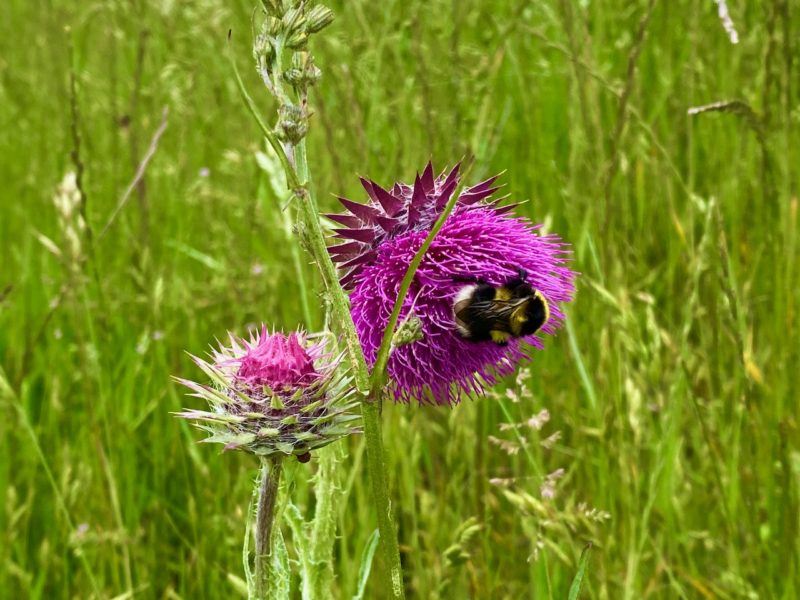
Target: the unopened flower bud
(312, 75)
(272, 25)
(297, 41)
(303, 77)
(293, 77)
(262, 48)
(292, 124)
(305, 62)
(293, 20)
(318, 18)
(274, 395)
(271, 6)
(409, 331)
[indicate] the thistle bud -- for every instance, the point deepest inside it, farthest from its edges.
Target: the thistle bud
(409, 331)
(304, 73)
(293, 20)
(293, 77)
(262, 48)
(270, 6)
(305, 62)
(274, 394)
(312, 75)
(318, 18)
(297, 41)
(292, 124)
(272, 25)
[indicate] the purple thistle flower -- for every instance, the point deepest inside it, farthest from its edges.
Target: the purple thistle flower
(273, 394)
(480, 239)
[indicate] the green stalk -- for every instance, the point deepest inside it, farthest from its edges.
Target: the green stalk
(319, 251)
(328, 492)
(265, 517)
(297, 179)
(370, 406)
(376, 463)
(382, 359)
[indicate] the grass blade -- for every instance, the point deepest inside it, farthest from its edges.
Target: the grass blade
(366, 564)
(575, 588)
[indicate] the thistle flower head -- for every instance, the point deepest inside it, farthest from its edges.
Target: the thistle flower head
(481, 239)
(273, 394)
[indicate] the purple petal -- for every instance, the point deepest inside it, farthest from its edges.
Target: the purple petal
(427, 178)
(365, 212)
(346, 248)
(346, 220)
(418, 196)
(391, 204)
(361, 235)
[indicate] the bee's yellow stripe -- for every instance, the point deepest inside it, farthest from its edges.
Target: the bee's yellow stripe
(499, 337)
(541, 297)
(502, 293)
(518, 318)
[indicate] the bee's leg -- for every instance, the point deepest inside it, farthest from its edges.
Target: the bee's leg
(500, 337)
(469, 279)
(518, 285)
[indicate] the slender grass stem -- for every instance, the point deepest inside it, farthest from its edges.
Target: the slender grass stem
(382, 359)
(265, 517)
(7, 394)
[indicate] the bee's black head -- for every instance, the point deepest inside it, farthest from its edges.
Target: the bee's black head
(536, 314)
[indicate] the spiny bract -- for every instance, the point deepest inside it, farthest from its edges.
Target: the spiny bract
(274, 394)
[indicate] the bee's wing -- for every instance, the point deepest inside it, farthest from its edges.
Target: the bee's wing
(505, 308)
(497, 312)
(460, 307)
(493, 310)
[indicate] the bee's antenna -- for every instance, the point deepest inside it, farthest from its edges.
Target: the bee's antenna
(468, 279)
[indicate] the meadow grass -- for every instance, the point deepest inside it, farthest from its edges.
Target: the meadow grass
(671, 386)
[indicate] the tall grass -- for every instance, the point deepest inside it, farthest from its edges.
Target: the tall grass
(672, 386)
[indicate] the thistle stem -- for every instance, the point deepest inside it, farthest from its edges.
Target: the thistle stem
(265, 517)
(376, 464)
(297, 178)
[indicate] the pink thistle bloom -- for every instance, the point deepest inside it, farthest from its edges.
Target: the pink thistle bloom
(277, 361)
(273, 394)
(481, 240)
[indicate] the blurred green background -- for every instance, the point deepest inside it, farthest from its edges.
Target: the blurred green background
(671, 394)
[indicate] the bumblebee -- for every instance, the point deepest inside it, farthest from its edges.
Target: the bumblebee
(484, 312)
